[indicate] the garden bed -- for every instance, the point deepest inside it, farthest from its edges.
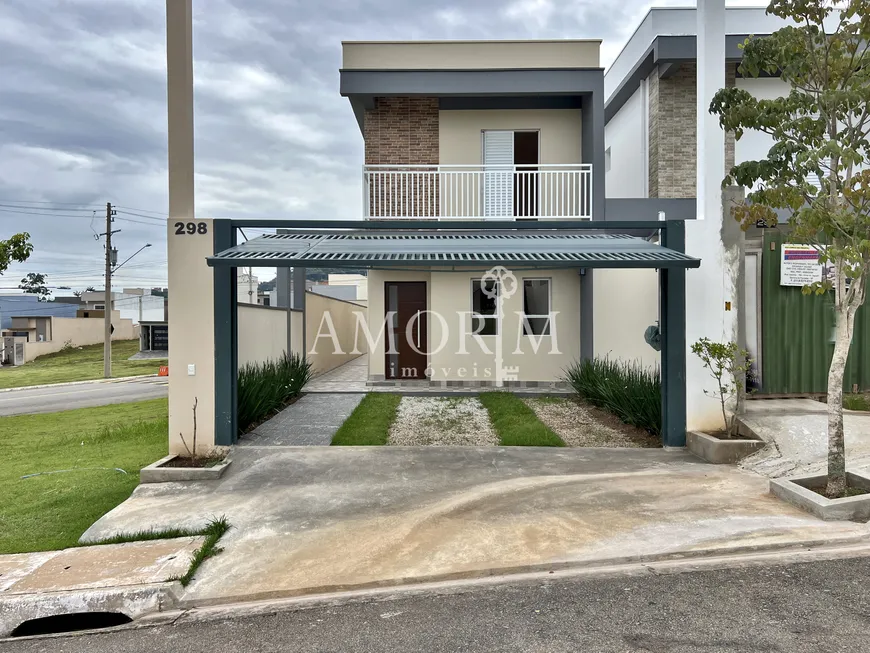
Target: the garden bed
(442, 421)
(580, 424)
(179, 468)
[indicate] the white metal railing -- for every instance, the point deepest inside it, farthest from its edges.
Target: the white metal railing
(476, 192)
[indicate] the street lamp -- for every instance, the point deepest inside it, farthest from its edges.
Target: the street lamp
(134, 254)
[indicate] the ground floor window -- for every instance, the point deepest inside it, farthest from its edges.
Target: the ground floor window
(536, 307)
(484, 306)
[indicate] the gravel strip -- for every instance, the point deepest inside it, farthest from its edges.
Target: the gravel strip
(442, 421)
(579, 427)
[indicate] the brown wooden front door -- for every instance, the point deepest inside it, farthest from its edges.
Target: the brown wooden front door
(406, 301)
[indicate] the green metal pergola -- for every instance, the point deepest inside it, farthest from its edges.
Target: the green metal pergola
(444, 245)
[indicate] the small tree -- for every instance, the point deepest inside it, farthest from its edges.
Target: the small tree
(34, 283)
(17, 248)
(821, 131)
(728, 365)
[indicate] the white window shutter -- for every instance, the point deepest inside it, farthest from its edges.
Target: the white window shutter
(498, 161)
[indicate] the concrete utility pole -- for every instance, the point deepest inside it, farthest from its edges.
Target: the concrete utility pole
(107, 297)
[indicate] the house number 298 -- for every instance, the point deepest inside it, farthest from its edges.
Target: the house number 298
(190, 228)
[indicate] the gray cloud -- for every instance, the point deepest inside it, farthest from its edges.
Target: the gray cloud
(83, 112)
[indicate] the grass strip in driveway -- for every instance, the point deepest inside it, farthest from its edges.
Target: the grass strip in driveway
(370, 421)
(516, 423)
(73, 456)
(78, 364)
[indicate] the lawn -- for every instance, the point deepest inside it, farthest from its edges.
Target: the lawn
(516, 423)
(78, 364)
(370, 421)
(51, 511)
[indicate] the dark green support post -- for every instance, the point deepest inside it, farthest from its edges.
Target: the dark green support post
(226, 360)
(672, 309)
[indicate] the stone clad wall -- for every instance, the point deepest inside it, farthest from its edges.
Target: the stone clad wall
(673, 132)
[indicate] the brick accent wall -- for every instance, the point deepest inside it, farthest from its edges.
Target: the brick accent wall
(673, 132)
(401, 131)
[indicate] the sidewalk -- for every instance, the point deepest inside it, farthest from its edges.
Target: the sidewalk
(131, 579)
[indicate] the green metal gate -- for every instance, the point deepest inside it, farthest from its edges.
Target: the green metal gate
(797, 332)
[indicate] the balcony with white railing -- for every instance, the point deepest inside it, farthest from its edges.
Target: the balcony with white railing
(476, 192)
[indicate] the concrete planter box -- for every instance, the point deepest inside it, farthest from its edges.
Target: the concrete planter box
(157, 473)
(721, 452)
(795, 491)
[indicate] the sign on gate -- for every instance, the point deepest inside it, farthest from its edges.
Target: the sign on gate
(799, 265)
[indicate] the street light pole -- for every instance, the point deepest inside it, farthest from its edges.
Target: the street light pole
(129, 257)
(107, 297)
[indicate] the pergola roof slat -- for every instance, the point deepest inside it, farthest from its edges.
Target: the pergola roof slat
(446, 248)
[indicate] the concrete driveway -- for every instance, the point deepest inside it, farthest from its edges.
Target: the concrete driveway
(67, 396)
(798, 432)
(313, 519)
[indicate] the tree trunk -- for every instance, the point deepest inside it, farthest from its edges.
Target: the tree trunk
(836, 436)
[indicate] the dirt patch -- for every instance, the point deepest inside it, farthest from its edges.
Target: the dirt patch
(850, 492)
(198, 462)
(582, 425)
(442, 421)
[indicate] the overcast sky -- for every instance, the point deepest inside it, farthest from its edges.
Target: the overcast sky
(83, 113)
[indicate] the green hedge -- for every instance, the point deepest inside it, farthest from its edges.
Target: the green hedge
(628, 390)
(267, 387)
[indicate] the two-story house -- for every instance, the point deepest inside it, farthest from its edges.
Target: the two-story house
(482, 225)
(460, 131)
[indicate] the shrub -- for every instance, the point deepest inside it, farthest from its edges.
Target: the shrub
(628, 390)
(267, 387)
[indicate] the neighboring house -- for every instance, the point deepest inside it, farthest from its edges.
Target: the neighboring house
(24, 305)
(42, 333)
(650, 141)
(135, 304)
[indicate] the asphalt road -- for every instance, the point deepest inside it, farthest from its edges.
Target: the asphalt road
(22, 401)
(812, 607)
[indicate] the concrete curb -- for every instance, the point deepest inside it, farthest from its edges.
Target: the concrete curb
(575, 565)
(230, 609)
(134, 601)
(171, 611)
(70, 383)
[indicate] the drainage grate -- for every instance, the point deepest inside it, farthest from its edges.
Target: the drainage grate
(70, 623)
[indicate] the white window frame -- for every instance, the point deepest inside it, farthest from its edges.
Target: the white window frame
(475, 315)
(526, 316)
(99, 307)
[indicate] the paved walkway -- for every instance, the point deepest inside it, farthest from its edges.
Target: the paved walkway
(308, 519)
(350, 377)
(312, 420)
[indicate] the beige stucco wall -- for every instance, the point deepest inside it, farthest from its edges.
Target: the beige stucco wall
(447, 55)
(625, 304)
(322, 351)
(262, 333)
(191, 336)
(460, 141)
(79, 331)
(449, 294)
